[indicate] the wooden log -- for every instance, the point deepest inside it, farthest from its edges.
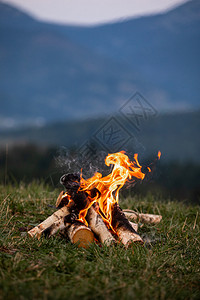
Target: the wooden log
(80, 234)
(123, 228)
(51, 222)
(62, 224)
(62, 200)
(82, 202)
(51, 225)
(98, 226)
(143, 218)
(134, 225)
(55, 227)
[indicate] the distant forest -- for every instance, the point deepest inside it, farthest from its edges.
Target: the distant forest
(173, 180)
(176, 135)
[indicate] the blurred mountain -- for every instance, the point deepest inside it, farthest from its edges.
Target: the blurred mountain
(47, 76)
(162, 48)
(50, 72)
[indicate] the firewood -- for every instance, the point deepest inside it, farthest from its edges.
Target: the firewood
(62, 200)
(134, 225)
(98, 227)
(51, 222)
(71, 182)
(143, 218)
(80, 234)
(81, 200)
(63, 224)
(55, 227)
(123, 228)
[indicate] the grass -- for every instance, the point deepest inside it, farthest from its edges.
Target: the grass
(166, 268)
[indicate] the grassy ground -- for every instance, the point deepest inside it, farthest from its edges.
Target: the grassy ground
(167, 268)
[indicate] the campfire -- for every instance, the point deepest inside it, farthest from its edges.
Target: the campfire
(89, 209)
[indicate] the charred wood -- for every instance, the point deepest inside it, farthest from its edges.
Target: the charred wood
(123, 228)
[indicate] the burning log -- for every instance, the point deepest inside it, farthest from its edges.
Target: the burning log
(76, 231)
(57, 221)
(61, 220)
(62, 200)
(98, 226)
(91, 206)
(143, 218)
(82, 202)
(123, 228)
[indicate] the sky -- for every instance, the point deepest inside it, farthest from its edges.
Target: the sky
(89, 12)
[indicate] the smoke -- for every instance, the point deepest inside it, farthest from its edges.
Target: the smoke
(74, 161)
(90, 159)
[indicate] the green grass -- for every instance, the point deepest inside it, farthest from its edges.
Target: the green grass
(166, 268)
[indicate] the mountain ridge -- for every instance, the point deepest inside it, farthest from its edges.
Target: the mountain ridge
(51, 72)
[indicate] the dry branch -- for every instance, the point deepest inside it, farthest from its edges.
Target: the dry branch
(143, 218)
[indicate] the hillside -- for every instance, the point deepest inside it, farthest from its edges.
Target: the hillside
(51, 72)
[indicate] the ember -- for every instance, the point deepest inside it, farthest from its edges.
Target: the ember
(89, 208)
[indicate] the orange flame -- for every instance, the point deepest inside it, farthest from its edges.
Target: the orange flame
(110, 185)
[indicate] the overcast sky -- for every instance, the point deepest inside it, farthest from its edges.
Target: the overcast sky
(92, 11)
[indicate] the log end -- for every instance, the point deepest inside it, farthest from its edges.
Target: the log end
(34, 233)
(82, 236)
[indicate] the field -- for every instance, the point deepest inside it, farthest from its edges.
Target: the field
(166, 267)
